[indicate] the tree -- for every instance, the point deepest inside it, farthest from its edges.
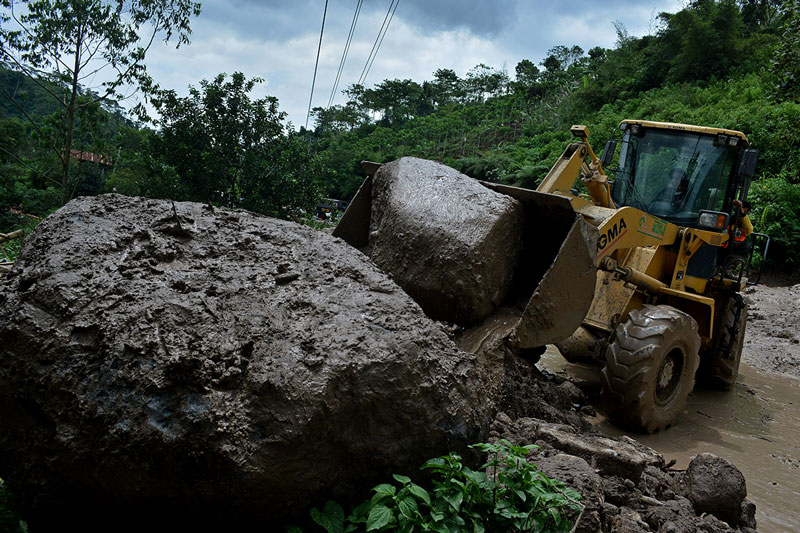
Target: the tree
(483, 82)
(760, 13)
(710, 34)
(397, 100)
(228, 149)
(78, 39)
(447, 87)
(139, 171)
(527, 73)
(786, 63)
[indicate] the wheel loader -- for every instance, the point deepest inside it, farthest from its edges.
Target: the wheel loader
(637, 275)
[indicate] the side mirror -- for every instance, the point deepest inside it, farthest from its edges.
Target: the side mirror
(608, 152)
(747, 169)
(747, 166)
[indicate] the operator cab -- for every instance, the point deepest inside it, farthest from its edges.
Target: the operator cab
(675, 171)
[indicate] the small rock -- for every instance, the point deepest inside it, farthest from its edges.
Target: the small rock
(577, 474)
(716, 486)
(629, 521)
(675, 516)
(573, 394)
(748, 516)
(615, 491)
(711, 524)
(623, 457)
(283, 279)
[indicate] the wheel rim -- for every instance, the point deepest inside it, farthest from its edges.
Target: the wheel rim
(669, 376)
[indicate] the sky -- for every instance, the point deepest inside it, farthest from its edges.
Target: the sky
(278, 41)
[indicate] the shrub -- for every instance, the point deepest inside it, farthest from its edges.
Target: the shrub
(507, 494)
(776, 212)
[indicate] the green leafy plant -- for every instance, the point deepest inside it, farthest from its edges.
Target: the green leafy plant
(506, 494)
(9, 516)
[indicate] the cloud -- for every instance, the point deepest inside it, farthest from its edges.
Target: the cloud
(277, 40)
(479, 17)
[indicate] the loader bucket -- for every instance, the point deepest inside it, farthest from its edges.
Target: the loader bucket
(557, 273)
(553, 280)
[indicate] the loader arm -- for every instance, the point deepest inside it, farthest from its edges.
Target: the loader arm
(571, 165)
(641, 256)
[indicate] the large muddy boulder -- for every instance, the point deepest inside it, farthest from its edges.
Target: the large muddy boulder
(176, 360)
(448, 241)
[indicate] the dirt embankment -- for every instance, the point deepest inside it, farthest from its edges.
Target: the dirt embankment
(772, 341)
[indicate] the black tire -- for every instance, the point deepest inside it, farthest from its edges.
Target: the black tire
(650, 368)
(720, 366)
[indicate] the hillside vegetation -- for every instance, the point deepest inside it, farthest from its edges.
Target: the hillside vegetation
(722, 63)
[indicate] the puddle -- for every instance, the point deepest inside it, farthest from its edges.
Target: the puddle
(756, 426)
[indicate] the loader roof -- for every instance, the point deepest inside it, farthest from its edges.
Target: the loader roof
(685, 127)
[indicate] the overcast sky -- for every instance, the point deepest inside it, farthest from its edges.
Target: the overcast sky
(277, 40)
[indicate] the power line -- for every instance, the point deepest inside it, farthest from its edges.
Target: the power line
(345, 52)
(381, 41)
(378, 39)
(316, 64)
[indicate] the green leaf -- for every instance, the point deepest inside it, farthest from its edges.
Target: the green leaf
(360, 513)
(331, 518)
(439, 528)
(385, 488)
(401, 479)
(434, 463)
(454, 499)
(420, 493)
(380, 516)
(408, 507)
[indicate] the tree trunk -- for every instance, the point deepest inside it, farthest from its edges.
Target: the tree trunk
(71, 119)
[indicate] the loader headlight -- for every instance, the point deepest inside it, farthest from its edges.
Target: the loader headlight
(713, 221)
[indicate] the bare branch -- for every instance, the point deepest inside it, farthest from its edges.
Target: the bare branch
(35, 80)
(122, 76)
(95, 71)
(92, 54)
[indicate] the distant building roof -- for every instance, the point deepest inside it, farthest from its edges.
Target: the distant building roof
(94, 158)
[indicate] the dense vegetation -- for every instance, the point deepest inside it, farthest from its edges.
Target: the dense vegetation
(723, 63)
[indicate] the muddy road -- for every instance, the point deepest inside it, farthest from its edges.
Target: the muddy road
(756, 426)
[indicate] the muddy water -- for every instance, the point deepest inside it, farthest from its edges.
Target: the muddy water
(756, 426)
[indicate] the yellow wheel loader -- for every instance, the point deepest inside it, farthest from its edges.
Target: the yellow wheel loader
(637, 276)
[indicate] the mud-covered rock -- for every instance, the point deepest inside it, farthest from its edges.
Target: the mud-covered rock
(204, 364)
(628, 521)
(448, 241)
(620, 491)
(621, 457)
(716, 486)
(748, 517)
(577, 474)
(673, 516)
